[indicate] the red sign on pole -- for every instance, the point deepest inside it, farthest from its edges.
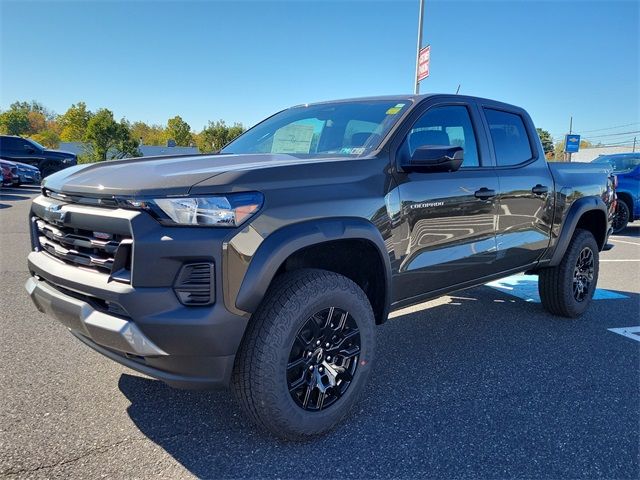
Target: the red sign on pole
(423, 62)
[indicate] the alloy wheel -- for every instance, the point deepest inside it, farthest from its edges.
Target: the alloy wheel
(583, 274)
(323, 359)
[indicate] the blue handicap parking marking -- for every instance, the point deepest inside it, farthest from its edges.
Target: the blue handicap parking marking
(526, 288)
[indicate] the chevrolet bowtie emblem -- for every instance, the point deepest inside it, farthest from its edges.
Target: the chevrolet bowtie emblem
(54, 213)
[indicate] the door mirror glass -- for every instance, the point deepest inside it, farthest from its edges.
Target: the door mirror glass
(434, 158)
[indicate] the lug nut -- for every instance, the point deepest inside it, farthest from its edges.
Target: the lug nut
(309, 354)
(318, 342)
(328, 359)
(327, 345)
(320, 369)
(311, 368)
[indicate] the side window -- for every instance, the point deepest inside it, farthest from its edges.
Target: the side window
(509, 136)
(449, 125)
(10, 144)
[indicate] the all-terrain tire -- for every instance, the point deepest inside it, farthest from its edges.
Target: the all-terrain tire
(556, 284)
(259, 379)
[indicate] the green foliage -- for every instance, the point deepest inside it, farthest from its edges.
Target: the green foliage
(149, 134)
(14, 122)
(547, 142)
(179, 131)
(48, 138)
(74, 122)
(216, 135)
(107, 138)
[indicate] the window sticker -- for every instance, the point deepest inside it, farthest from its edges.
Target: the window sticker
(293, 139)
(396, 109)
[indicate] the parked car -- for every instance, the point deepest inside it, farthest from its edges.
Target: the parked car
(10, 173)
(27, 174)
(626, 167)
(29, 151)
(268, 266)
(1, 177)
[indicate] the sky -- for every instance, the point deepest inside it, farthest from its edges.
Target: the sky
(241, 61)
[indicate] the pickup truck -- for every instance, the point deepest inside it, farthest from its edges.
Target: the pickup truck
(30, 152)
(267, 266)
(626, 168)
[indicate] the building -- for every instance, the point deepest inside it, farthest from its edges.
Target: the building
(588, 154)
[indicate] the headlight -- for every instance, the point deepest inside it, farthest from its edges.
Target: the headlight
(215, 211)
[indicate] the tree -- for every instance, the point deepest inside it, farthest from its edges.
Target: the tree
(217, 134)
(149, 134)
(74, 122)
(14, 122)
(547, 142)
(106, 137)
(179, 131)
(49, 138)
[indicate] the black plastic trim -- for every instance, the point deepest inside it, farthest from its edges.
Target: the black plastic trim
(577, 209)
(273, 252)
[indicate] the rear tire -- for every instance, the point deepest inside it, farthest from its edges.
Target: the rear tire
(621, 216)
(567, 289)
(310, 344)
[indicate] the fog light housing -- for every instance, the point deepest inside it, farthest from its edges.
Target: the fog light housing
(195, 284)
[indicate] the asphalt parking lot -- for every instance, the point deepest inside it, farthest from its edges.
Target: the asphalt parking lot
(481, 384)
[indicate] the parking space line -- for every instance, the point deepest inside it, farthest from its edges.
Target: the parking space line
(525, 287)
(629, 332)
(618, 260)
(624, 241)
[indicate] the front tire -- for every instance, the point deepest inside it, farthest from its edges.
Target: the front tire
(567, 289)
(306, 355)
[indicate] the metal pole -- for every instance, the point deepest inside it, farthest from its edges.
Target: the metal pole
(570, 132)
(634, 145)
(416, 89)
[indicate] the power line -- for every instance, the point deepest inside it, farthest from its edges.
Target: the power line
(558, 135)
(613, 134)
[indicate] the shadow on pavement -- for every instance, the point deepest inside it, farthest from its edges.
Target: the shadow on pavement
(481, 385)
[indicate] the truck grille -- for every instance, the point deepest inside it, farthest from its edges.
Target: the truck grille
(100, 251)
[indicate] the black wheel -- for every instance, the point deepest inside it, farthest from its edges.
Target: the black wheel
(567, 289)
(621, 216)
(48, 169)
(306, 355)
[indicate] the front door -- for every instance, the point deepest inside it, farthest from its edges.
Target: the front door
(447, 232)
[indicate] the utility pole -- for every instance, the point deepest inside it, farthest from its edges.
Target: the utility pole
(416, 90)
(634, 145)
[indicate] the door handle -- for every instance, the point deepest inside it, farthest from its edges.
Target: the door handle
(485, 193)
(540, 189)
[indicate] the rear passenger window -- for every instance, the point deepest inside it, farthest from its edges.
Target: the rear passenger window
(509, 136)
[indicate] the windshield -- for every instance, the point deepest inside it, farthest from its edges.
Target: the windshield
(620, 163)
(35, 144)
(329, 129)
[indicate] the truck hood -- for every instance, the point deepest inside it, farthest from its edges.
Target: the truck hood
(159, 176)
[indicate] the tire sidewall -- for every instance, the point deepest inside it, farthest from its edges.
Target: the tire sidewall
(583, 240)
(313, 299)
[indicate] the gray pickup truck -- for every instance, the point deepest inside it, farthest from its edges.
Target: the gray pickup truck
(267, 266)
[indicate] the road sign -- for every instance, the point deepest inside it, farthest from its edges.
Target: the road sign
(423, 62)
(572, 143)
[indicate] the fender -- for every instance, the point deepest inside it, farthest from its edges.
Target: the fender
(281, 244)
(576, 210)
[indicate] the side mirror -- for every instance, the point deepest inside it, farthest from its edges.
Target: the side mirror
(434, 158)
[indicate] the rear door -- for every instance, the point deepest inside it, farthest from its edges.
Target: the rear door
(446, 235)
(525, 202)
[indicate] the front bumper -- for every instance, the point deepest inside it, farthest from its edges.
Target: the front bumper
(185, 347)
(142, 323)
